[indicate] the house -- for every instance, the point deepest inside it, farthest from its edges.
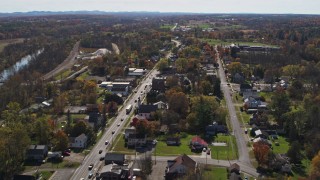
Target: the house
(114, 172)
(158, 84)
(245, 88)
(145, 110)
(78, 142)
(247, 94)
(173, 141)
(251, 103)
(136, 140)
(95, 119)
(128, 131)
(197, 144)
(122, 88)
(161, 105)
(261, 134)
(37, 152)
(123, 91)
(179, 167)
(234, 168)
(215, 128)
(24, 177)
(238, 78)
(111, 158)
(136, 72)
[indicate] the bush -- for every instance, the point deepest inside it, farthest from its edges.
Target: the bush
(183, 135)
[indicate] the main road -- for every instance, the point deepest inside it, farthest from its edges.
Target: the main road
(237, 130)
(112, 131)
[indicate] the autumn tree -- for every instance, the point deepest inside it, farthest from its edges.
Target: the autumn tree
(291, 70)
(79, 128)
(13, 145)
(294, 152)
(181, 64)
(42, 131)
(60, 141)
(315, 167)
(178, 102)
(235, 67)
(206, 88)
(162, 64)
(261, 152)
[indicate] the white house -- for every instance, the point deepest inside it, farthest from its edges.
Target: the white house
(136, 72)
(78, 142)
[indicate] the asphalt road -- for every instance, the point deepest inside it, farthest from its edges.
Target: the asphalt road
(94, 156)
(237, 130)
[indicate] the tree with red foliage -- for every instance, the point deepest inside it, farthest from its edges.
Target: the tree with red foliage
(261, 151)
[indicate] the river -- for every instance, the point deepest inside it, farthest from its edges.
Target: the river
(5, 74)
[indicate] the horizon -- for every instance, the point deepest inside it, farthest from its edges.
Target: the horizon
(309, 7)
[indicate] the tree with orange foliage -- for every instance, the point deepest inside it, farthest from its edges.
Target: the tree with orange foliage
(315, 168)
(261, 151)
(60, 141)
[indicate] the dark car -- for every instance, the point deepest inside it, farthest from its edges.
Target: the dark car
(65, 153)
(90, 175)
(100, 151)
(106, 143)
(90, 166)
(101, 158)
(113, 132)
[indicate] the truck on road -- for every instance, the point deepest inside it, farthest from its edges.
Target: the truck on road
(128, 109)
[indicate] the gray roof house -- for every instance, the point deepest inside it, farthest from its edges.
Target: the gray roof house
(37, 152)
(111, 158)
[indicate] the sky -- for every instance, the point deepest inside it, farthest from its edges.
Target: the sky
(196, 6)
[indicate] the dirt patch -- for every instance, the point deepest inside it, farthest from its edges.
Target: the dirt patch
(74, 157)
(158, 171)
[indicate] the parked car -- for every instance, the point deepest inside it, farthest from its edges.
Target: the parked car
(208, 152)
(106, 143)
(121, 119)
(65, 153)
(90, 175)
(68, 150)
(101, 158)
(204, 149)
(118, 124)
(90, 166)
(113, 132)
(100, 151)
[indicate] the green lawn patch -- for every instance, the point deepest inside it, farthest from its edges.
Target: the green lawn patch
(63, 75)
(214, 173)
(282, 147)
(266, 95)
(166, 26)
(224, 152)
(164, 150)
(120, 145)
(45, 175)
(232, 41)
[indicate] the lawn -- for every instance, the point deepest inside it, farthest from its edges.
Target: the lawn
(224, 152)
(45, 175)
(164, 150)
(283, 145)
(266, 95)
(119, 145)
(214, 173)
(63, 75)
(232, 41)
(166, 26)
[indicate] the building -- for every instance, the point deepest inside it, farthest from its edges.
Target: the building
(173, 141)
(111, 158)
(78, 142)
(158, 84)
(122, 88)
(136, 72)
(37, 152)
(95, 120)
(145, 110)
(136, 140)
(180, 166)
(128, 131)
(114, 172)
(215, 128)
(197, 144)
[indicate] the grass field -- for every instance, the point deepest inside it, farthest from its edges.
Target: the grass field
(45, 175)
(166, 26)
(231, 41)
(224, 152)
(164, 150)
(4, 43)
(214, 173)
(283, 145)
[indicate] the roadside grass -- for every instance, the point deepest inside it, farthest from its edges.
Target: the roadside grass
(120, 145)
(45, 175)
(301, 171)
(283, 145)
(78, 116)
(63, 75)
(6, 42)
(224, 152)
(210, 172)
(83, 76)
(232, 41)
(164, 150)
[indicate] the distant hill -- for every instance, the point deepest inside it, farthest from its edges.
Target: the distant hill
(46, 13)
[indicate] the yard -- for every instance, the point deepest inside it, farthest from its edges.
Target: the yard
(45, 175)
(214, 173)
(164, 150)
(282, 147)
(224, 152)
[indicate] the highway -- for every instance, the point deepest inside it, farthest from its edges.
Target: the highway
(237, 130)
(94, 156)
